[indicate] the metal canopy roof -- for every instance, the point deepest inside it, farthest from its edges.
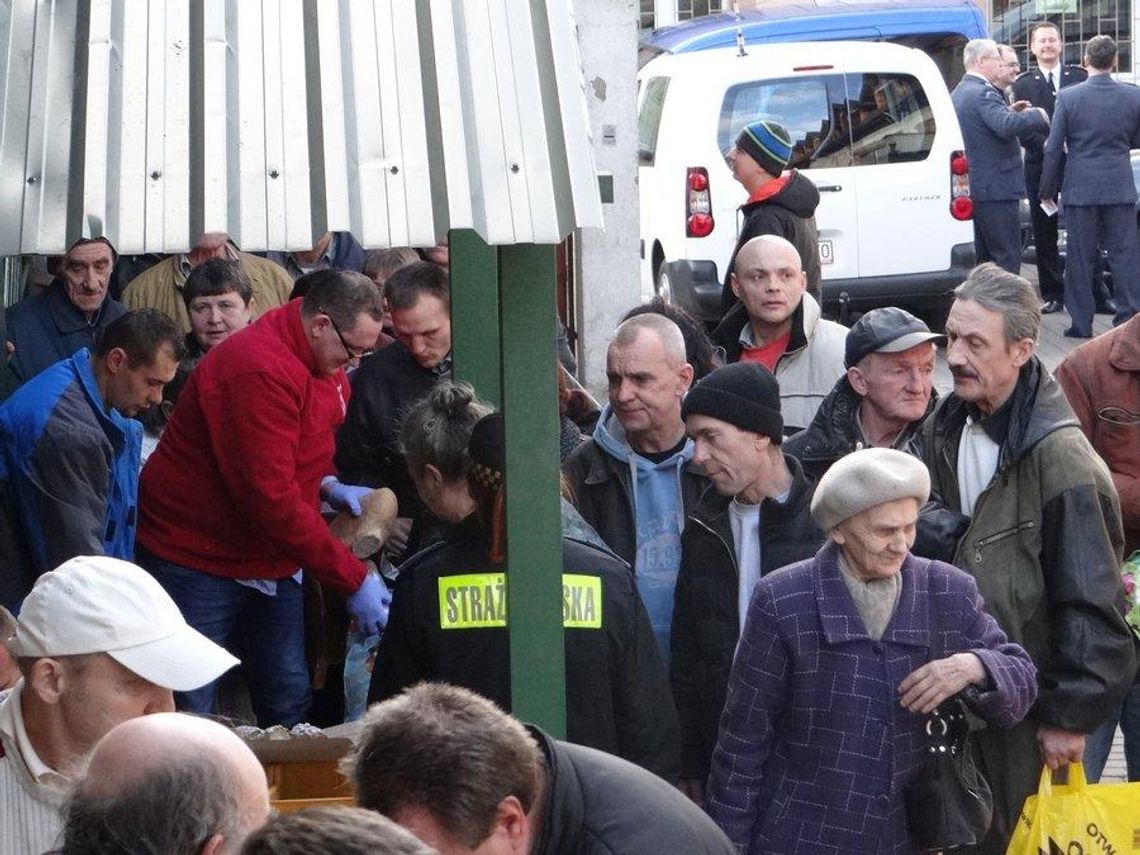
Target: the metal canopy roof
(151, 121)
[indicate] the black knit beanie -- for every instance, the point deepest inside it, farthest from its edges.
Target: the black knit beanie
(744, 394)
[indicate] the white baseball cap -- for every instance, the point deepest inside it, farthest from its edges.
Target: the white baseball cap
(95, 604)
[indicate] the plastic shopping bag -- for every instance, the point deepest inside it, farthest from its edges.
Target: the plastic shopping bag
(1078, 817)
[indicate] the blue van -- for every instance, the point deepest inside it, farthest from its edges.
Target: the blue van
(937, 27)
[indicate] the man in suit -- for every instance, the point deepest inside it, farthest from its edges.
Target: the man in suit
(991, 129)
(1039, 87)
(1096, 122)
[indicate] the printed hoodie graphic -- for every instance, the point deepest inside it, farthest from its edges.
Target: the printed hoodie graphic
(655, 494)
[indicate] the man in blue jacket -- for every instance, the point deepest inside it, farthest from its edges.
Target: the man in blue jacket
(67, 315)
(991, 129)
(1096, 123)
(69, 451)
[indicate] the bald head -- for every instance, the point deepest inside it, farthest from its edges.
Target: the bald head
(769, 279)
(770, 246)
(183, 780)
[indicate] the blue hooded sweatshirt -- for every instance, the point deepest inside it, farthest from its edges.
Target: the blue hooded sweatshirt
(660, 516)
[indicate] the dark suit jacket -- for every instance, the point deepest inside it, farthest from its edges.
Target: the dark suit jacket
(1032, 86)
(1096, 122)
(991, 132)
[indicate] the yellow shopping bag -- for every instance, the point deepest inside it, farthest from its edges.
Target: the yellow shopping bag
(1078, 818)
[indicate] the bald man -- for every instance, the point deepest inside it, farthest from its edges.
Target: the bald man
(634, 480)
(778, 324)
(186, 785)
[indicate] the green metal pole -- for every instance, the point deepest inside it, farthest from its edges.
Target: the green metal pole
(475, 313)
(534, 519)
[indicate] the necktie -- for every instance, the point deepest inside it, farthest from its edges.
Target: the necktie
(1052, 85)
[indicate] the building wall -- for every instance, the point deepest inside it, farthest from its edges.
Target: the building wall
(607, 260)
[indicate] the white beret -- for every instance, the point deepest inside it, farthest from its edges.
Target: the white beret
(863, 479)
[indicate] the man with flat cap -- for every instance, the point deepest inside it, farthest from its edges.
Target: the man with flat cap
(779, 202)
(753, 519)
(883, 398)
(841, 660)
(98, 642)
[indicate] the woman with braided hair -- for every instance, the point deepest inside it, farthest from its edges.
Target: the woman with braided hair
(449, 612)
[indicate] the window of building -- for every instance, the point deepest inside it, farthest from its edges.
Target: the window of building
(1079, 21)
(686, 9)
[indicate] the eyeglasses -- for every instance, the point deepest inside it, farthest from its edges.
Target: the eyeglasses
(352, 353)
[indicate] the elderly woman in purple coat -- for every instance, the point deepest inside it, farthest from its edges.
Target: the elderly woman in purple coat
(841, 659)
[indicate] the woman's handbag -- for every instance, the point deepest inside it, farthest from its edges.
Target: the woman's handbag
(949, 804)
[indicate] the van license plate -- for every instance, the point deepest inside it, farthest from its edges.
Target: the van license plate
(826, 252)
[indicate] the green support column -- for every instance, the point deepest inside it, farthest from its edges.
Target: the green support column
(475, 313)
(534, 519)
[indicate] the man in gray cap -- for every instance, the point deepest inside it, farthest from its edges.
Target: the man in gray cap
(98, 642)
(753, 520)
(883, 398)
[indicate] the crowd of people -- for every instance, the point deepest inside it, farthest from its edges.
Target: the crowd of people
(782, 552)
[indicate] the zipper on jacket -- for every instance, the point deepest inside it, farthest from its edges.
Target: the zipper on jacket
(1001, 535)
(720, 540)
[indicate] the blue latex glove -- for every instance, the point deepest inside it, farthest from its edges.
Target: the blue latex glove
(344, 497)
(369, 605)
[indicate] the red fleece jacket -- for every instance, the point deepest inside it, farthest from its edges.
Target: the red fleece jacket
(233, 487)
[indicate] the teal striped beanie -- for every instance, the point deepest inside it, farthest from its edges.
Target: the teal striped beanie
(768, 143)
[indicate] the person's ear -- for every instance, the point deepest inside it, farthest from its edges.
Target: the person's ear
(213, 846)
(115, 360)
(432, 478)
(686, 378)
(857, 380)
(734, 284)
(514, 822)
(1021, 351)
(47, 680)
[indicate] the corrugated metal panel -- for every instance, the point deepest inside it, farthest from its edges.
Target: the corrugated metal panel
(151, 121)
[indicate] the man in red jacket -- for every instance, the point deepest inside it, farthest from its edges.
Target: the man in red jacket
(229, 502)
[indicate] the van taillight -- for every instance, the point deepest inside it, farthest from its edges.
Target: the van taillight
(698, 203)
(961, 205)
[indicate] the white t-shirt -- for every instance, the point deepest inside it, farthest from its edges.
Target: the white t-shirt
(977, 463)
(745, 521)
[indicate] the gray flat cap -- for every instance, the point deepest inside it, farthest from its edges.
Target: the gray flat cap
(863, 479)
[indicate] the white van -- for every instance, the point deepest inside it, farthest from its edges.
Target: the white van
(872, 126)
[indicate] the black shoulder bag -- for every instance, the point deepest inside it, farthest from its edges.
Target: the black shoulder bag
(949, 804)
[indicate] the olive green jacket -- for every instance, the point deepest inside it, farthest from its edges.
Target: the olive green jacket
(1045, 544)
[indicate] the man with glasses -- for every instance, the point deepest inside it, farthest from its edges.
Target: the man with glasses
(991, 131)
(386, 386)
(229, 504)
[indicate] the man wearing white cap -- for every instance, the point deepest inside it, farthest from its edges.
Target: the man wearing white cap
(98, 642)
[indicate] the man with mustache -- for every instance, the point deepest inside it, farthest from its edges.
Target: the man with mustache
(1041, 532)
(883, 398)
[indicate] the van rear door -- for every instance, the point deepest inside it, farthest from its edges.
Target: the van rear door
(811, 103)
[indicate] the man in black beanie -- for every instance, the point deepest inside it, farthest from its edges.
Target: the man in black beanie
(754, 519)
(779, 202)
